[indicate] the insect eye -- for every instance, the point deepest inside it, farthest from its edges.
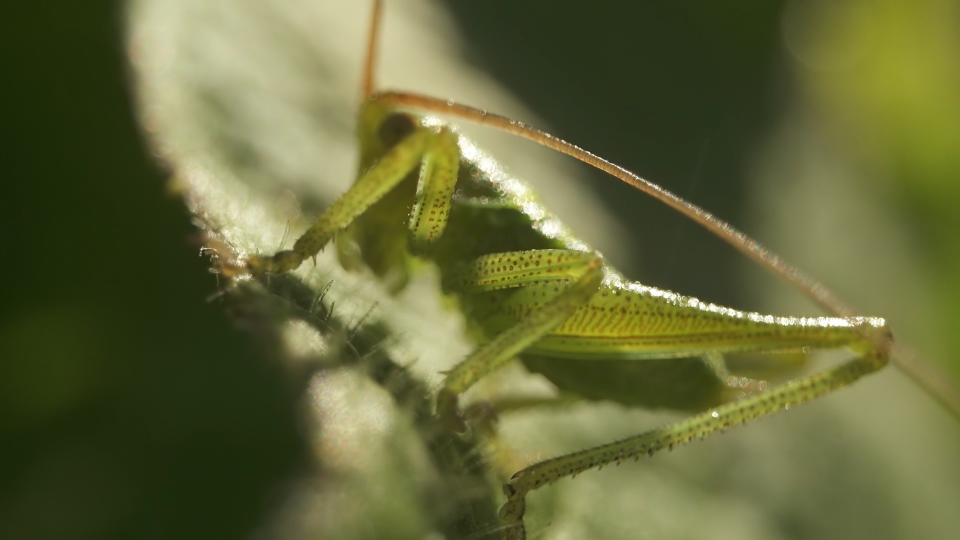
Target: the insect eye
(395, 128)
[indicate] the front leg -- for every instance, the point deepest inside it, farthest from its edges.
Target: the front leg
(433, 148)
(575, 277)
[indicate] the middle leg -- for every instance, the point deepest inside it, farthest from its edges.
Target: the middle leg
(577, 276)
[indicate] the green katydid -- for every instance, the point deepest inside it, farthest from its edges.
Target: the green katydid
(529, 288)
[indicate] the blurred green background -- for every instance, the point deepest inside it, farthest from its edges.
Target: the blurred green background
(134, 406)
(129, 406)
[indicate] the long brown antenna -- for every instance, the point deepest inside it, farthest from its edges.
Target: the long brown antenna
(930, 377)
(934, 380)
(369, 82)
(746, 245)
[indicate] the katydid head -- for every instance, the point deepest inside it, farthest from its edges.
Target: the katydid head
(370, 125)
(380, 127)
(377, 239)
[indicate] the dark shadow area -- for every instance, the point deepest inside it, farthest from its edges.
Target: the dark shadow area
(129, 406)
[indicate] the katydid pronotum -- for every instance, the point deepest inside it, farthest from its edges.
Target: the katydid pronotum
(559, 307)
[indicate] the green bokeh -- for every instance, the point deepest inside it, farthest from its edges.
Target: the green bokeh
(129, 406)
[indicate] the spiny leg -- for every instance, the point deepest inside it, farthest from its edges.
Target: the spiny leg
(438, 178)
(577, 275)
(779, 398)
(435, 149)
